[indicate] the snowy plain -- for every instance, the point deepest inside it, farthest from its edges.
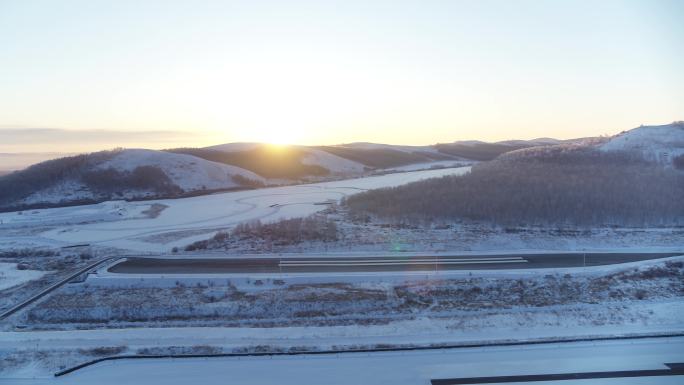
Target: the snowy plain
(398, 368)
(11, 276)
(481, 319)
(122, 225)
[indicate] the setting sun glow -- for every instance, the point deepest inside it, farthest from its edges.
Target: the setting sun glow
(322, 73)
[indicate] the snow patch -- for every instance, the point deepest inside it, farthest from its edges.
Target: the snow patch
(659, 144)
(10, 276)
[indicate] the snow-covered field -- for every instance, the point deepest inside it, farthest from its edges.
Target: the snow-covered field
(132, 315)
(11, 276)
(254, 301)
(397, 368)
(124, 225)
(279, 315)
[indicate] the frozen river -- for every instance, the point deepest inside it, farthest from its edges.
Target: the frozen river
(125, 225)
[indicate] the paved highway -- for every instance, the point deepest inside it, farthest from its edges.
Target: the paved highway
(312, 264)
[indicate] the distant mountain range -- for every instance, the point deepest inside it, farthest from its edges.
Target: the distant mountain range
(141, 174)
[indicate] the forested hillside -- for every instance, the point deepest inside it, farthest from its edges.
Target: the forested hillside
(117, 174)
(556, 185)
(20, 184)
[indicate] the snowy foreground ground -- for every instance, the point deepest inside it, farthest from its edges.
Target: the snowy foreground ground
(409, 368)
(128, 315)
(10, 276)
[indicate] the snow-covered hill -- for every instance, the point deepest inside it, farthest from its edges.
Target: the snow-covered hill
(185, 171)
(333, 163)
(660, 144)
(140, 173)
(121, 174)
(337, 166)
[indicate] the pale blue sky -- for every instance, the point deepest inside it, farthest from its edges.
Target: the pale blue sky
(409, 72)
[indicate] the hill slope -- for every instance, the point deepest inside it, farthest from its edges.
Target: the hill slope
(568, 184)
(662, 144)
(138, 173)
(352, 159)
(120, 174)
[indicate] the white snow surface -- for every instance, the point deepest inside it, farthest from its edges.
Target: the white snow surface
(10, 276)
(655, 143)
(186, 171)
(65, 190)
(663, 315)
(397, 368)
(186, 220)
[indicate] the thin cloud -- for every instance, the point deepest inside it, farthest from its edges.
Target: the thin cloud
(62, 140)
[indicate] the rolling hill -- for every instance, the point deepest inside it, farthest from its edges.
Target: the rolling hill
(142, 174)
(620, 181)
(349, 160)
(118, 174)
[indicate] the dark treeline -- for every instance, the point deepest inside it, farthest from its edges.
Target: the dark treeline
(148, 178)
(263, 160)
(283, 232)
(83, 168)
(558, 185)
(289, 231)
(678, 162)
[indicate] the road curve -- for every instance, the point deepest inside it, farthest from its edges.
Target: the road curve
(54, 286)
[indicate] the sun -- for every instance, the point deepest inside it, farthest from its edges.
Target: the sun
(277, 138)
(276, 133)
